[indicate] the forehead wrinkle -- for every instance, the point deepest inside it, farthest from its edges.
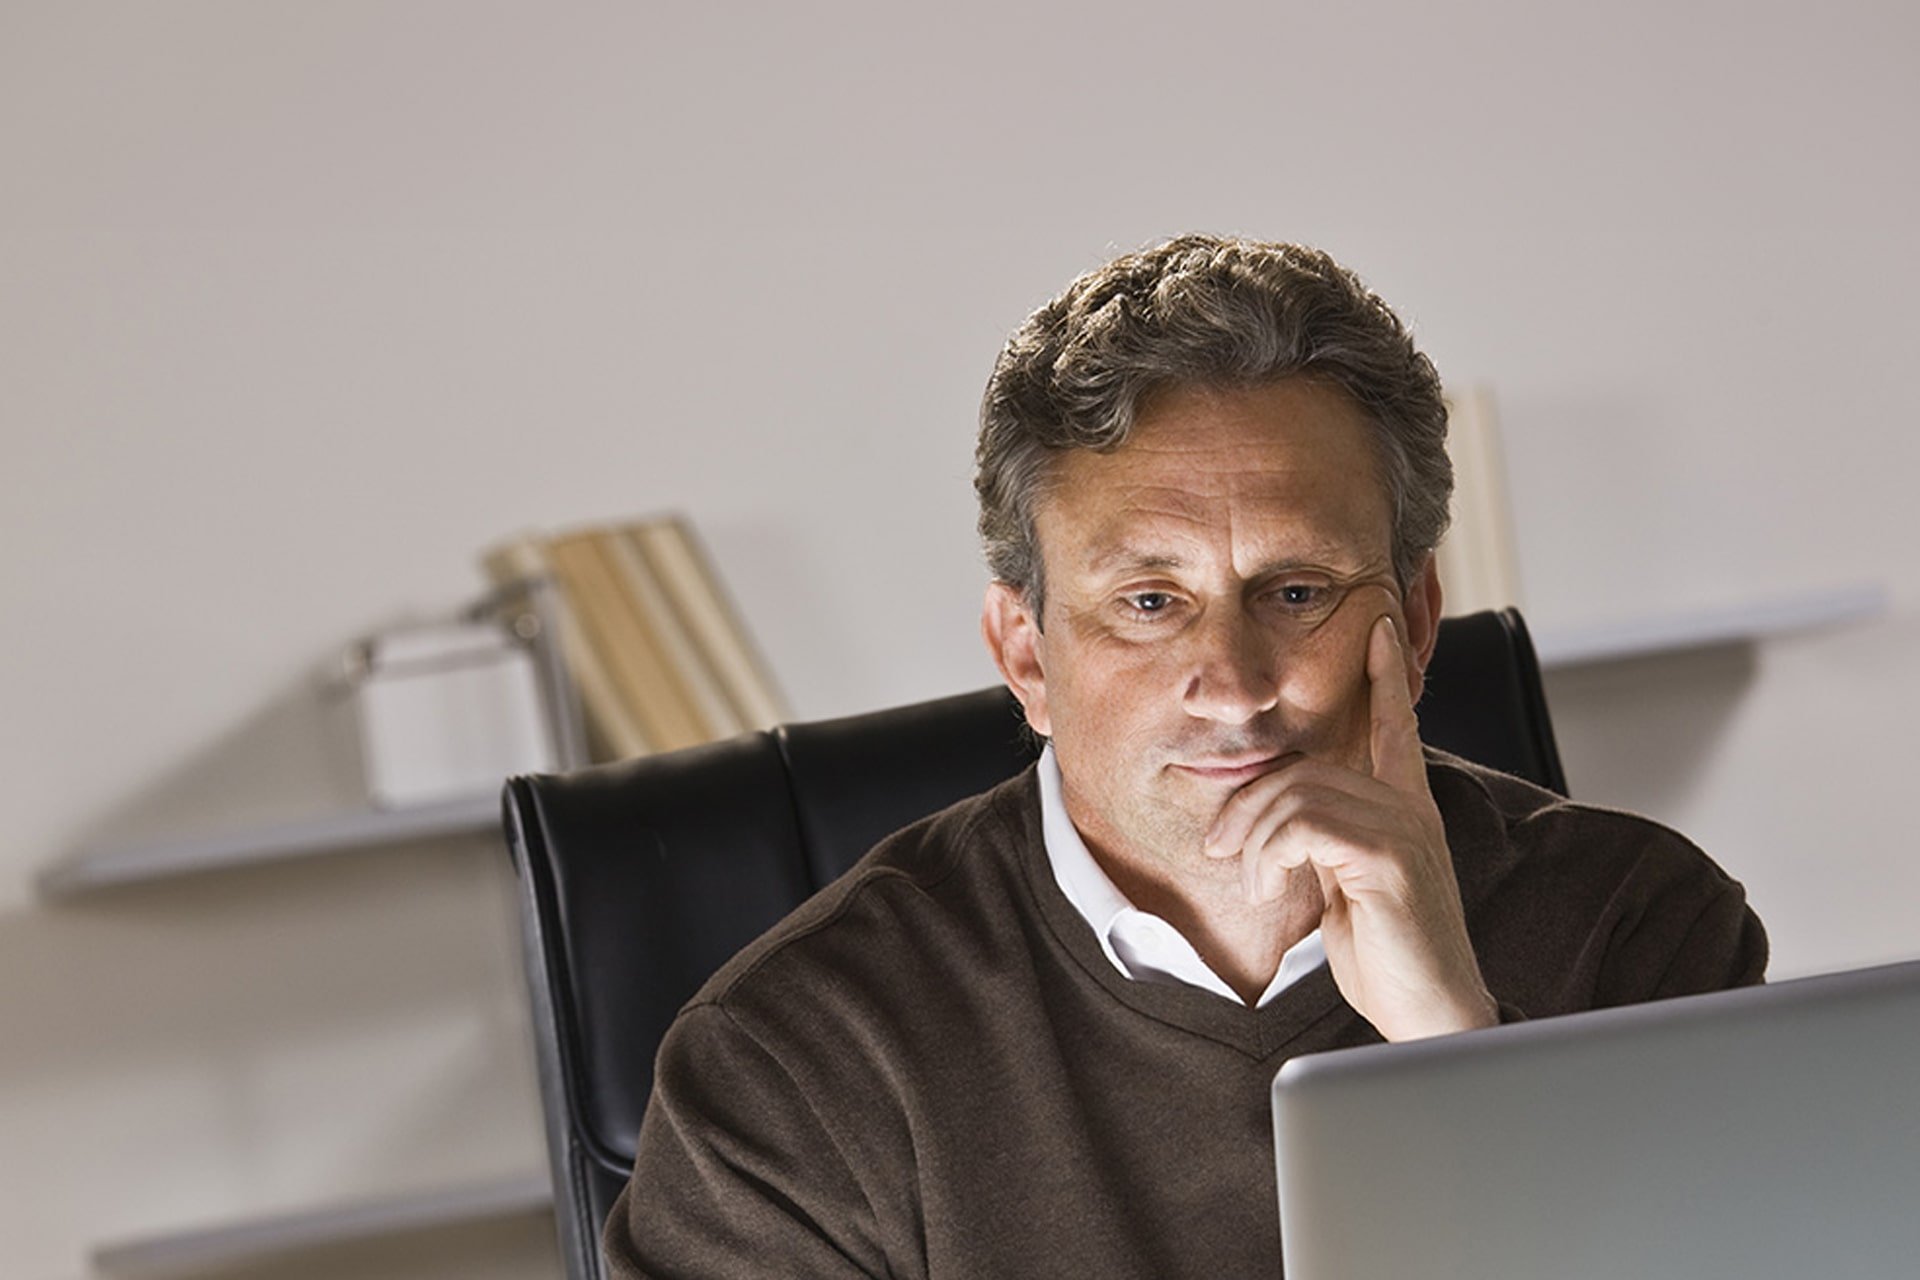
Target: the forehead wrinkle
(1159, 527)
(1217, 484)
(1325, 556)
(1185, 532)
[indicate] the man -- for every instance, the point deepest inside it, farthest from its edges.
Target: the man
(1034, 1034)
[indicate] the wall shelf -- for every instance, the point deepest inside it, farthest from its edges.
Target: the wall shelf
(108, 866)
(176, 1255)
(112, 866)
(1698, 628)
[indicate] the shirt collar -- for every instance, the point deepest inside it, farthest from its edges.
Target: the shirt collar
(1091, 891)
(1141, 945)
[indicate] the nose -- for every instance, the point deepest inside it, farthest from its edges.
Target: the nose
(1233, 673)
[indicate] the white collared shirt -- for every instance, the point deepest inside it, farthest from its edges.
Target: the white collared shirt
(1141, 945)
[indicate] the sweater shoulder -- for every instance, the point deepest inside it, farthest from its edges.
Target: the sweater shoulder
(1574, 905)
(1506, 821)
(927, 874)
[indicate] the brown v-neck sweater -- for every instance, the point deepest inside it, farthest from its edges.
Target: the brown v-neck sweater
(932, 1070)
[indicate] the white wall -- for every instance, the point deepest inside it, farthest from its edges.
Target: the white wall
(301, 305)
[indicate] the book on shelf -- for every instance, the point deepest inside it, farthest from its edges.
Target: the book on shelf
(721, 638)
(612, 731)
(670, 634)
(1478, 565)
(647, 685)
(658, 652)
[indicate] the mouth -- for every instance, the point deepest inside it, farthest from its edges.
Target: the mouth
(1232, 770)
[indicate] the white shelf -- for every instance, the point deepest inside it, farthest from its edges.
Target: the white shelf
(1636, 637)
(109, 866)
(190, 1253)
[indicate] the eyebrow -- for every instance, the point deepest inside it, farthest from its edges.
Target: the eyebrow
(1120, 556)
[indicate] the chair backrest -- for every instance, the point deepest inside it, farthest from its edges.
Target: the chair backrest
(639, 879)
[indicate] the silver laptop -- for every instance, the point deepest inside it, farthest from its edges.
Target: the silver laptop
(1767, 1132)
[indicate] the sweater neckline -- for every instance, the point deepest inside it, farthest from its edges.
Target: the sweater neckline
(1259, 1033)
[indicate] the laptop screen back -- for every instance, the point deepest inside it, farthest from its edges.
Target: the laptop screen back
(1772, 1131)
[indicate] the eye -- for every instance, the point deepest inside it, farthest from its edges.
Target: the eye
(1150, 602)
(1302, 597)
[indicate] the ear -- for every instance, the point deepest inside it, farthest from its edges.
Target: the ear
(1014, 639)
(1421, 608)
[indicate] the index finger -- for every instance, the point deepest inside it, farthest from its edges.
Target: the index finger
(1395, 732)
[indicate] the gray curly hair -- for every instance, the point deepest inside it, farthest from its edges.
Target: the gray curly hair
(1210, 311)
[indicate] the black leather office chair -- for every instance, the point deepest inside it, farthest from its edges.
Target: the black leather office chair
(639, 879)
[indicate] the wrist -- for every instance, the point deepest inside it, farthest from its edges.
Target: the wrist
(1472, 1011)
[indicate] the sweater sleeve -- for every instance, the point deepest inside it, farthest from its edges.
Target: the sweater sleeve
(1726, 946)
(735, 1174)
(1687, 939)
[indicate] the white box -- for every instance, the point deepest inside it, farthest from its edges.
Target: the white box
(448, 712)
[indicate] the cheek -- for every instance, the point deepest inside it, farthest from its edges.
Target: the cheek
(1108, 699)
(1326, 672)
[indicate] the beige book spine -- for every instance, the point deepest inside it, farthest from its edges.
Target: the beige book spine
(639, 671)
(680, 565)
(1478, 563)
(670, 634)
(613, 732)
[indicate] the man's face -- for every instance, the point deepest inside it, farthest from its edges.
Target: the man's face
(1209, 591)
